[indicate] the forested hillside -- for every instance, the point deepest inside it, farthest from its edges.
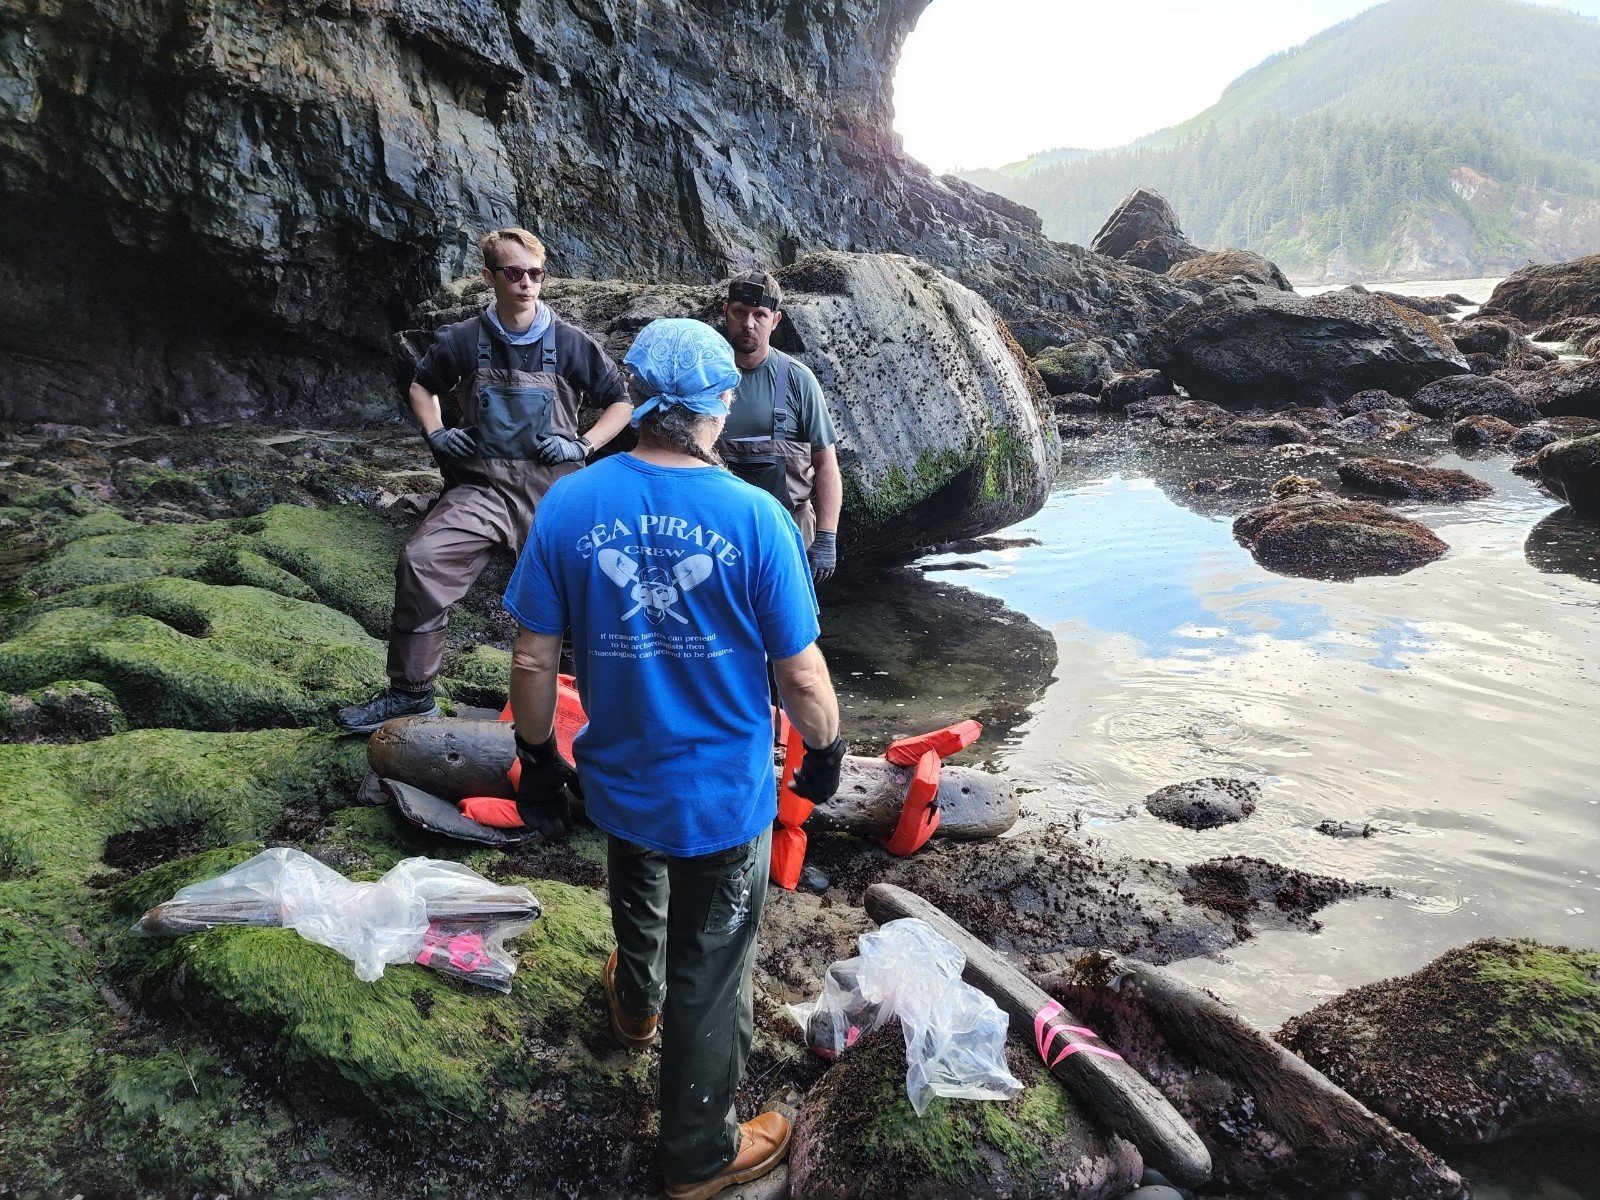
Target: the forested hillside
(1421, 137)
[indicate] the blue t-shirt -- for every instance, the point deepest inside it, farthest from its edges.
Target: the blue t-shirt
(678, 584)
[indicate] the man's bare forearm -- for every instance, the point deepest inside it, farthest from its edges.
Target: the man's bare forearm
(425, 408)
(829, 488)
(611, 422)
(807, 694)
(535, 663)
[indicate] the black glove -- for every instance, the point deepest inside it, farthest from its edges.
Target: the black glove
(818, 777)
(555, 449)
(542, 801)
(824, 555)
(453, 443)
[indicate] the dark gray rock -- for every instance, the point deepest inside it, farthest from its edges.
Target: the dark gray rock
(1480, 431)
(1139, 385)
(1429, 306)
(1571, 470)
(1549, 292)
(1309, 532)
(1224, 266)
(1372, 398)
(1574, 331)
(1073, 428)
(1205, 803)
(1535, 437)
(1345, 829)
(76, 711)
(1377, 424)
(1391, 477)
(264, 188)
(1076, 402)
(1178, 412)
(1567, 390)
(1464, 395)
(1484, 335)
(1143, 230)
(1245, 345)
(1269, 431)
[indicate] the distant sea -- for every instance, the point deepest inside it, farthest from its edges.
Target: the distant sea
(1475, 290)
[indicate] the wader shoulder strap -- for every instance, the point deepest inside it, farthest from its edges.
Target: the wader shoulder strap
(780, 389)
(548, 348)
(483, 345)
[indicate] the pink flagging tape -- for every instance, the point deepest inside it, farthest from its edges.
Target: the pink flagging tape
(1046, 1028)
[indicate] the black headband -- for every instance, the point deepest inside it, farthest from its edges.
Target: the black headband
(742, 291)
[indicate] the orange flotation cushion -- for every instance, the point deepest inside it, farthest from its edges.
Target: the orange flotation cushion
(944, 742)
(494, 811)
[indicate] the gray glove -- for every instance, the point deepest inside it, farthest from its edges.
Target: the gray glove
(824, 555)
(555, 449)
(453, 443)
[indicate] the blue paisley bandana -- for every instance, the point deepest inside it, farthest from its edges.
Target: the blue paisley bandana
(680, 363)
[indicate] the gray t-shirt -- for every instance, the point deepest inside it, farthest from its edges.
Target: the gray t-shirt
(805, 416)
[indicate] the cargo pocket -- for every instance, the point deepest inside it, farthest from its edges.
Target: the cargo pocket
(512, 418)
(730, 896)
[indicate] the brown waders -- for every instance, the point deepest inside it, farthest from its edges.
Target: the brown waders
(686, 944)
(775, 464)
(488, 501)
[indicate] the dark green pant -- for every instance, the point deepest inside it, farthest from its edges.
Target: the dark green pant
(686, 943)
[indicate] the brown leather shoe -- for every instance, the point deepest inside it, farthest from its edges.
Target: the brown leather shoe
(763, 1144)
(635, 1033)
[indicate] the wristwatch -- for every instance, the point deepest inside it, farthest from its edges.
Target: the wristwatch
(588, 446)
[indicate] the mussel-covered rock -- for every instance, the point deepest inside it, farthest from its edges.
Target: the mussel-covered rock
(1313, 533)
(1547, 292)
(1393, 477)
(1491, 1038)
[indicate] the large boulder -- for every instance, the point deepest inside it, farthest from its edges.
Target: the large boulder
(1308, 531)
(938, 410)
(1246, 345)
(1492, 1038)
(1143, 230)
(1572, 331)
(1567, 390)
(1549, 292)
(1079, 367)
(1572, 471)
(1224, 266)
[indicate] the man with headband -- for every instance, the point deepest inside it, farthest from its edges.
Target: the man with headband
(780, 436)
(679, 583)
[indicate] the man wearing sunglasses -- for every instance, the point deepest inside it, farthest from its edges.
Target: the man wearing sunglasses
(515, 374)
(779, 435)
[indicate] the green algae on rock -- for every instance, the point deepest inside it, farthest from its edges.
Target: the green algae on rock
(1487, 1040)
(70, 710)
(857, 1135)
(178, 652)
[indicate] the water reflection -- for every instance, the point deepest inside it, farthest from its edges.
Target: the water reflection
(909, 654)
(1454, 708)
(1564, 543)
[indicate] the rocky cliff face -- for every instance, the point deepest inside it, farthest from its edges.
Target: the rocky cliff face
(221, 207)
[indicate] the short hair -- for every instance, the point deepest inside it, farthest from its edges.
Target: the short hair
(490, 244)
(765, 280)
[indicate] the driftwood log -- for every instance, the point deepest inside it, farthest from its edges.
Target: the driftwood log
(455, 758)
(1301, 1133)
(1122, 1098)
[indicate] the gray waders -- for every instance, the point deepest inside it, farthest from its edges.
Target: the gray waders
(488, 500)
(775, 464)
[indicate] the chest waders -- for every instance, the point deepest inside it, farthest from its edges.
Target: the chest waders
(488, 500)
(776, 464)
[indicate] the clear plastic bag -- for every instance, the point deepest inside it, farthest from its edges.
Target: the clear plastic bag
(955, 1035)
(440, 914)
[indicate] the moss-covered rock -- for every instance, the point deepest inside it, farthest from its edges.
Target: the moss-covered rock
(345, 554)
(481, 676)
(183, 653)
(73, 710)
(857, 1135)
(1316, 534)
(1491, 1038)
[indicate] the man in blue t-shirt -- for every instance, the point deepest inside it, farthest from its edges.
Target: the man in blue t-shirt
(679, 583)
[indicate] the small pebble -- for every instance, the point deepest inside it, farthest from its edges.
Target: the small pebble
(814, 880)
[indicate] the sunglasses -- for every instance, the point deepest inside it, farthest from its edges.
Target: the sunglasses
(515, 274)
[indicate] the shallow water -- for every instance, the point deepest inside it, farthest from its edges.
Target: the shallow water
(1456, 709)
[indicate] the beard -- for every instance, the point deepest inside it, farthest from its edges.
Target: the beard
(744, 343)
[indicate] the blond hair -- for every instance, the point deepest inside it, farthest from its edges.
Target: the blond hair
(490, 244)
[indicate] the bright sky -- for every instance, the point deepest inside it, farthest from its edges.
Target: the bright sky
(986, 82)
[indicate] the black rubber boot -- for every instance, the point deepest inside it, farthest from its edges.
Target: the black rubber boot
(386, 706)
